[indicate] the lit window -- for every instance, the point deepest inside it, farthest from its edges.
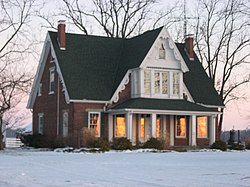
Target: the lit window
(40, 89)
(52, 80)
(65, 124)
(158, 127)
(202, 127)
(176, 83)
(157, 82)
(162, 54)
(94, 122)
(181, 126)
(147, 82)
(120, 129)
(40, 123)
(142, 128)
(165, 83)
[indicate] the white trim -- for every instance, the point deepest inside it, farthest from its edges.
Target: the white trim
(211, 106)
(98, 125)
(121, 87)
(88, 101)
(175, 124)
(153, 125)
(172, 46)
(170, 112)
(190, 98)
(212, 129)
(193, 131)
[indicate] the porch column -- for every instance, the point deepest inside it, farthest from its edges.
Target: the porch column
(211, 129)
(129, 126)
(153, 125)
(193, 130)
(110, 127)
(171, 130)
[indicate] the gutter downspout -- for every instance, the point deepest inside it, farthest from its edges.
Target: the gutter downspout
(57, 109)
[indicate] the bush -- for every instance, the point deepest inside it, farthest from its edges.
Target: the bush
(219, 144)
(88, 137)
(247, 143)
(35, 140)
(121, 144)
(154, 143)
(101, 143)
(236, 146)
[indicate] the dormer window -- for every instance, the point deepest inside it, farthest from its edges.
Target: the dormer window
(162, 53)
(176, 83)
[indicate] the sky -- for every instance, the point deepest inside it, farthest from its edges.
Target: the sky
(237, 114)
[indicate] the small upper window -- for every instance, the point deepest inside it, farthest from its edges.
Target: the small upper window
(40, 89)
(162, 54)
(51, 80)
(40, 123)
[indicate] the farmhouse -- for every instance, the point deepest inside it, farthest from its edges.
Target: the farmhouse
(138, 88)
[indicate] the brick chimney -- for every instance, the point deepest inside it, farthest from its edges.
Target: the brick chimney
(61, 36)
(189, 45)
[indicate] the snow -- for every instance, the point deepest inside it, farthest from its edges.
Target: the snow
(37, 168)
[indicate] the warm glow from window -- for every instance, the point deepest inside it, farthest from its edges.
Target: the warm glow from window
(142, 128)
(120, 130)
(202, 127)
(94, 122)
(181, 127)
(158, 128)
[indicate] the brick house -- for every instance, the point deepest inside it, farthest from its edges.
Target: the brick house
(142, 87)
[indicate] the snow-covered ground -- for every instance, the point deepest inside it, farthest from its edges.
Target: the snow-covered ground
(23, 168)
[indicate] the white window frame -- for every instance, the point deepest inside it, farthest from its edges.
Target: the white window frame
(65, 124)
(40, 89)
(40, 125)
(198, 125)
(50, 80)
(116, 125)
(162, 52)
(98, 125)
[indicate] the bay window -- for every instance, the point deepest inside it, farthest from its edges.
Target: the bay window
(202, 122)
(147, 82)
(176, 83)
(94, 122)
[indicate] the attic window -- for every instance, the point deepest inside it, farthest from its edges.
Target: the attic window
(162, 52)
(52, 80)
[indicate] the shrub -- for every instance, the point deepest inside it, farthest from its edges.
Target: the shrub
(101, 143)
(236, 146)
(219, 144)
(154, 143)
(247, 143)
(35, 140)
(121, 144)
(88, 137)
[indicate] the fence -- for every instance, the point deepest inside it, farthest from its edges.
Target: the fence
(13, 143)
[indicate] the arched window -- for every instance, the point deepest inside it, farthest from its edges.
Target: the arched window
(162, 53)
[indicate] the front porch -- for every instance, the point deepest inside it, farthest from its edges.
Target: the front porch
(177, 129)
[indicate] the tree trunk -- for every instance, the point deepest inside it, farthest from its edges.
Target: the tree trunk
(220, 123)
(1, 137)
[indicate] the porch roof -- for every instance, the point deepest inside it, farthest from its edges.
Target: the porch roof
(163, 104)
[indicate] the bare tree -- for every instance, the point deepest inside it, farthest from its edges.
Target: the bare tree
(223, 46)
(14, 81)
(116, 18)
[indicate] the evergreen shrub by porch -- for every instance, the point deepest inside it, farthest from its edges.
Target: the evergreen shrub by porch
(101, 143)
(154, 143)
(236, 146)
(121, 144)
(219, 144)
(36, 141)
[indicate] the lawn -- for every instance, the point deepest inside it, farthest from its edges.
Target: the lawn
(34, 168)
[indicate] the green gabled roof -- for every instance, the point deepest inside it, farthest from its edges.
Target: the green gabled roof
(93, 66)
(163, 104)
(198, 83)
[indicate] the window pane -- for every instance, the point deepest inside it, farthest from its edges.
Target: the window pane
(147, 80)
(65, 124)
(165, 83)
(52, 81)
(181, 127)
(157, 82)
(158, 127)
(94, 122)
(202, 127)
(162, 52)
(142, 128)
(176, 83)
(120, 129)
